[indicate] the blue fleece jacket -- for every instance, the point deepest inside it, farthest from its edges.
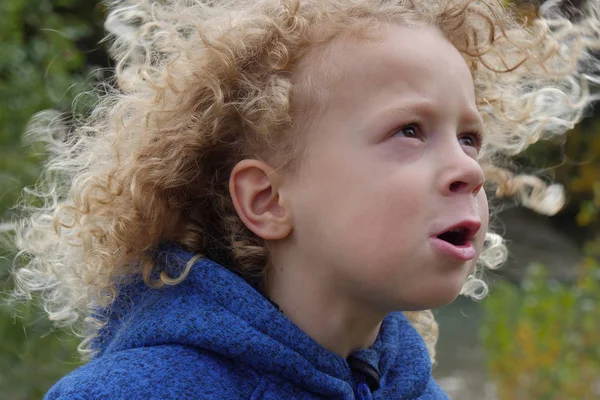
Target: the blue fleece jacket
(214, 336)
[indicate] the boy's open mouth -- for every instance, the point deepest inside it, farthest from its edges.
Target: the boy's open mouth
(460, 234)
(456, 236)
(457, 240)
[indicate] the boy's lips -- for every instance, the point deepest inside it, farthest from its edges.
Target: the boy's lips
(464, 252)
(456, 240)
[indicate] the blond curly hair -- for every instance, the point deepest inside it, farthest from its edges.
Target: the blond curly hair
(200, 85)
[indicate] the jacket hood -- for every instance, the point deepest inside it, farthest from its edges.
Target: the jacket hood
(217, 310)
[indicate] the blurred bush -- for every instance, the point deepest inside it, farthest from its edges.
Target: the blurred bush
(542, 340)
(32, 356)
(49, 51)
(44, 64)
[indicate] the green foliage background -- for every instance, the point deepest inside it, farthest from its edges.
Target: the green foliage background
(49, 53)
(543, 340)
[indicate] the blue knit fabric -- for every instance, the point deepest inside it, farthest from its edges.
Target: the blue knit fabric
(213, 336)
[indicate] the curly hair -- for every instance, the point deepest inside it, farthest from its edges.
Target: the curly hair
(200, 85)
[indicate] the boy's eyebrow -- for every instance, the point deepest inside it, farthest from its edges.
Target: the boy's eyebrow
(472, 117)
(426, 108)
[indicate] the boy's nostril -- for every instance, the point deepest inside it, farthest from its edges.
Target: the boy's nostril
(455, 186)
(459, 185)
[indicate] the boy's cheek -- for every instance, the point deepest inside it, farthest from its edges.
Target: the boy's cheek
(483, 209)
(484, 214)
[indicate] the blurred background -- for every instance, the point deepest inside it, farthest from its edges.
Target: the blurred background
(536, 336)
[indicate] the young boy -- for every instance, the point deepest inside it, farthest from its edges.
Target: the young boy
(273, 182)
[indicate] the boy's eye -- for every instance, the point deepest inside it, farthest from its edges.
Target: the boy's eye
(471, 139)
(409, 131)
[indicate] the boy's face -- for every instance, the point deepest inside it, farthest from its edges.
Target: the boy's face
(391, 165)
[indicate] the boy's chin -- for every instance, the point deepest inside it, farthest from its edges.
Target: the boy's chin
(432, 300)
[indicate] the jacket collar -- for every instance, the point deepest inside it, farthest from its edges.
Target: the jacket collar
(215, 309)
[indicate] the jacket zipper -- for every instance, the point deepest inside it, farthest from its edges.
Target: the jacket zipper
(361, 389)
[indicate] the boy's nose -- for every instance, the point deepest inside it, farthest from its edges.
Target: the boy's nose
(460, 174)
(458, 186)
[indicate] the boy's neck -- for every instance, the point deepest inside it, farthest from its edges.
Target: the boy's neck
(311, 302)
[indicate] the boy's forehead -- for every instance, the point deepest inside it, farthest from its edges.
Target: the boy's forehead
(394, 55)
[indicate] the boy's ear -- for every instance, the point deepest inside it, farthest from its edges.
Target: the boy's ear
(253, 186)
